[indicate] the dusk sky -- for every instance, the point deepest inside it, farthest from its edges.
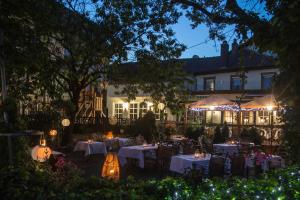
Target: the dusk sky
(192, 37)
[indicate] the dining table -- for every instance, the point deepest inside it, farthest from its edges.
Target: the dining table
(122, 141)
(137, 152)
(183, 163)
(90, 147)
(226, 149)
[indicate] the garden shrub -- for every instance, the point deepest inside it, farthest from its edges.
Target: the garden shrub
(218, 138)
(40, 182)
(146, 126)
(256, 138)
(194, 133)
(225, 132)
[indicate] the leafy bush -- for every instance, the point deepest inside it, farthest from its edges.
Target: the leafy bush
(251, 135)
(39, 182)
(145, 126)
(225, 132)
(256, 138)
(194, 133)
(218, 137)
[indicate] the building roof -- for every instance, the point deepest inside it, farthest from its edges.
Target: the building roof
(246, 58)
(234, 60)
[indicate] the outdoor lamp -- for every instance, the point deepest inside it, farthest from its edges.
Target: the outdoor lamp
(109, 135)
(111, 168)
(41, 152)
(211, 107)
(197, 153)
(160, 106)
(53, 132)
(65, 122)
(269, 108)
(125, 106)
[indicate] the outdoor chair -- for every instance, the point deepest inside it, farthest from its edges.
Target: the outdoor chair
(275, 163)
(237, 165)
(188, 149)
(132, 166)
(164, 155)
(216, 166)
(150, 159)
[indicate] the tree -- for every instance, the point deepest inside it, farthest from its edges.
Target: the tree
(269, 25)
(81, 42)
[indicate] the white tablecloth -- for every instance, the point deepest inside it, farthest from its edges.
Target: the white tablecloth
(90, 148)
(250, 162)
(180, 163)
(122, 141)
(134, 152)
(224, 149)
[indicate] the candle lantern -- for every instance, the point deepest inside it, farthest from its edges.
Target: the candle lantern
(111, 168)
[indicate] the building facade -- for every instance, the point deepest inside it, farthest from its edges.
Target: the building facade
(238, 74)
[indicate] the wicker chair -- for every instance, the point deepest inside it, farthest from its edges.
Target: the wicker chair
(188, 149)
(237, 165)
(164, 155)
(132, 166)
(216, 166)
(150, 161)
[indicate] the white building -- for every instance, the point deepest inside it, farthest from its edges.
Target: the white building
(233, 73)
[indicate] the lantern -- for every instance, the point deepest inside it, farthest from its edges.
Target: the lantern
(109, 135)
(197, 154)
(41, 152)
(160, 106)
(65, 122)
(113, 120)
(111, 168)
(53, 133)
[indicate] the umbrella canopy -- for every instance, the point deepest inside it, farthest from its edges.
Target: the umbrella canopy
(267, 102)
(213, 102)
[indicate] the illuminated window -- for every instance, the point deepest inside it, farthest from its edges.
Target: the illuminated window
(118, 111)
(230, 117)
(248, 117)
(133, 111)
(213, 117)
(143, 109)
(263, 117)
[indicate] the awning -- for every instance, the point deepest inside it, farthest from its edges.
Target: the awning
(213, 102)
(267, 102)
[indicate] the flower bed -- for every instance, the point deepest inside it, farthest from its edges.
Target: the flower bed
(40, 182)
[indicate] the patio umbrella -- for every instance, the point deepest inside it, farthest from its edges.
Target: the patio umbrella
(267, 102)
(214, 102)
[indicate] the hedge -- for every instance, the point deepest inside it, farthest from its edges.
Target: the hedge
(40, 182)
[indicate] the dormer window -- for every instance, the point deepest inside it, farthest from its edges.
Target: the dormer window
(209, 84)
(267, 80)
(236, 83)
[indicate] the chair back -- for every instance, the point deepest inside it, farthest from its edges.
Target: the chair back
(216, 166)
(164, 155)
(237, 165)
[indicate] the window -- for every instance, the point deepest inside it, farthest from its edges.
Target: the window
(262, 117)
(236, 83)
(209, 84)
(191, 85)
(118, 110)
(248, 117)
(266, 80)
(213, 117)
(133, 111)
(143, 109)
(230, 117)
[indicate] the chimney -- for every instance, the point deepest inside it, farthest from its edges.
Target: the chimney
(234, 47)
(224, 52)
